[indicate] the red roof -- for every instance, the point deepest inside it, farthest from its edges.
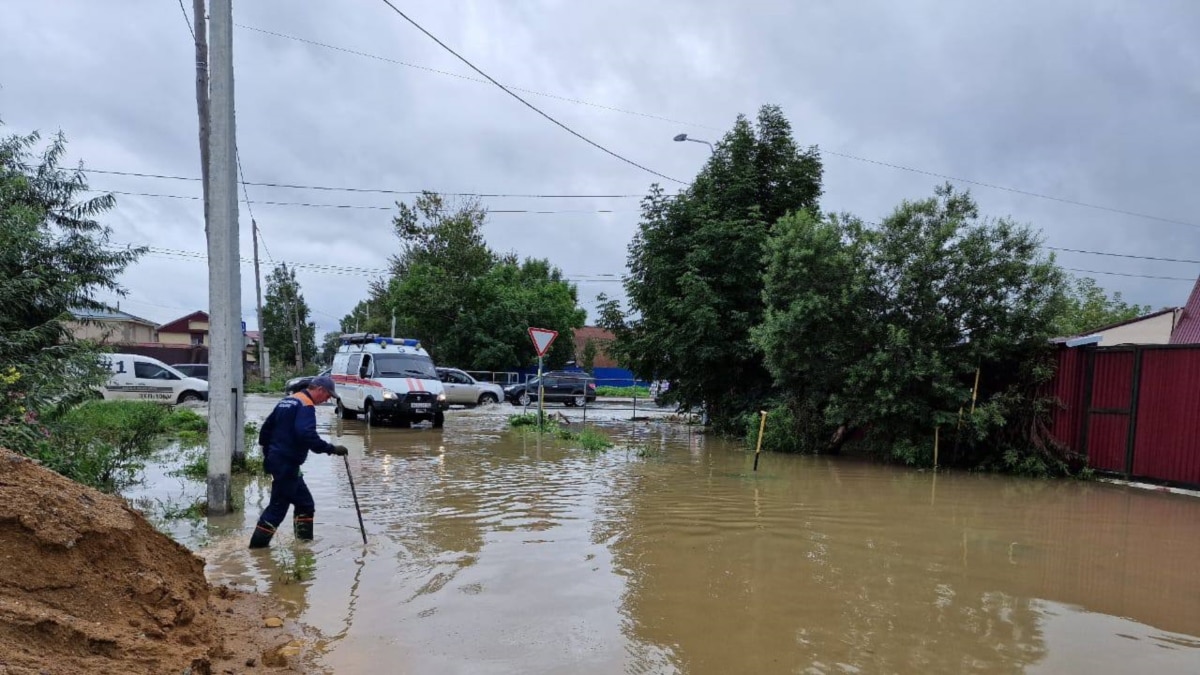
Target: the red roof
(180, 325)
(1187, 331)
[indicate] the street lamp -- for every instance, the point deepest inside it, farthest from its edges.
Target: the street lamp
(684, 137)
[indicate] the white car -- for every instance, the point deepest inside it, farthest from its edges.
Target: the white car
(141, 378)
(462, 389)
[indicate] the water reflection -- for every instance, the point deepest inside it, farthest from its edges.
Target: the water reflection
(495, 551)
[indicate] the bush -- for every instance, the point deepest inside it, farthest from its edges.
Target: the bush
(183, 420)
(793, 426)
(103, 444)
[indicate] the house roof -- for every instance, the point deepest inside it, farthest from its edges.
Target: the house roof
(109, 315)
(180, 325)
(1187, 331)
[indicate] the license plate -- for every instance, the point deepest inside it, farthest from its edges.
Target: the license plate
(416, 406)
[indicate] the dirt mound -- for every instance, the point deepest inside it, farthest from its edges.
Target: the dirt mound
(87, 585)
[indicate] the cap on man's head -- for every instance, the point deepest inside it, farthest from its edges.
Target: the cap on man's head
(325, 382)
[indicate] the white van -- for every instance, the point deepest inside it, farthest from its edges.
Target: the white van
(141, 378)
(387, 378)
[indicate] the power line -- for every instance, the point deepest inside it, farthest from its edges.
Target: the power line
(591, 278)
(529, 105)
(834, 153)
(187, 20)
(1126, 274)
(1123, 255)
(474, 79)
(349, 206)
(345, 270)
(291, 186)
(1027, 193)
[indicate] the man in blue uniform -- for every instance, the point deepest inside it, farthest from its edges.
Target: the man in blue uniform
(287, 435)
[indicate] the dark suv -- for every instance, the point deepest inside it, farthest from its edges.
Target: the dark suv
(572, 389)
(196, 370)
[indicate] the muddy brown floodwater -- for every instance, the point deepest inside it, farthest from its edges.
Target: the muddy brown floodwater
(492, 552)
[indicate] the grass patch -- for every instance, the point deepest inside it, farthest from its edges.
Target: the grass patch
(588, 438)
(624, 392)
(182, 419)
(196, 465)
(592, 440)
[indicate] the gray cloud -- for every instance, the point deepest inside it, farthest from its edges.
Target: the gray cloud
(1088, 101)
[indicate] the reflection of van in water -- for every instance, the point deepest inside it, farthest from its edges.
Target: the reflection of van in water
(387, 378)
(141, 378)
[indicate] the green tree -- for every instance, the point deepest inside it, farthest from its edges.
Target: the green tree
(1087, 308)
(882, 328)
(55, 258)
(695, 283)
(285, 315)
(590, 352)
(468, 306)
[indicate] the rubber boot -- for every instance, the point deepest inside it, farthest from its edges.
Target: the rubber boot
(303, 522)
(262, 535)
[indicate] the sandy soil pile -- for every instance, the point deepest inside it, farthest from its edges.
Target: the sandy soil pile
(87, 585)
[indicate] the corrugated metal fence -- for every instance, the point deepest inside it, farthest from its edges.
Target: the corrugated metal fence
(1132, 410)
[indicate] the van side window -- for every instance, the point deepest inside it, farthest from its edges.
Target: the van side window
(352, 365)
(366, 363)
(149, 371)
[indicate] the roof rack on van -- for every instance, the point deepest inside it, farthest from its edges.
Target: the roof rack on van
(373, 338)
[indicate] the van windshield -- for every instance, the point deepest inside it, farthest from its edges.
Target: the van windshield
(404, 365)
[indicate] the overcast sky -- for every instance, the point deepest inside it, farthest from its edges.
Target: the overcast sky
(1085, 100)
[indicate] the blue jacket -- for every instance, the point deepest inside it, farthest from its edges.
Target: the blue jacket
(290, 431)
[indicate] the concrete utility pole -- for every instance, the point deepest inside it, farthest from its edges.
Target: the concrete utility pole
(225, 435)
(264, 358)
(297, 338)
(201, 35)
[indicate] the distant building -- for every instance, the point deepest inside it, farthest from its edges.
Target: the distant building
(186, 330)
(1154, 328)
(601, 338)
(112, 327)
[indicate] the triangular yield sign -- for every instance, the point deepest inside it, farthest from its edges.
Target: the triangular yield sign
(542, 339)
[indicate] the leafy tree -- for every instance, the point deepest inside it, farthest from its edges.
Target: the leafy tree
(284, 310)
(590, 351)
(1088, 308)
(882, 328)
(466, 304)
(695, 287)
(329, 346)
(54, 259)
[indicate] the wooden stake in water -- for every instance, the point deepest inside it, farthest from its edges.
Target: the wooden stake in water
(762, 424)
(936, 433)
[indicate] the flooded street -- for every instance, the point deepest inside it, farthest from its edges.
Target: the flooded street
(493, 551)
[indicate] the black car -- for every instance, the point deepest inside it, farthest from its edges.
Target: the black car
(196, 370)
(572, 389)
(301, 383)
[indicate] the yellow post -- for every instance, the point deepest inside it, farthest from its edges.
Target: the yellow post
(936, 433)
(762, 424)
(975, 391)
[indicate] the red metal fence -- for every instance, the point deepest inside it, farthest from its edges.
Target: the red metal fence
(1132, 410)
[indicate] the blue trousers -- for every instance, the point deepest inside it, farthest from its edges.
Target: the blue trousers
(287, 489)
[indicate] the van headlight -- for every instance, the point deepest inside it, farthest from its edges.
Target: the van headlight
(389, 395)
(441, 398)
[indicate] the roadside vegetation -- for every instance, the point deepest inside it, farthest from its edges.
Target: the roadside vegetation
(856, 335)
(587, 438)
(623, 392)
